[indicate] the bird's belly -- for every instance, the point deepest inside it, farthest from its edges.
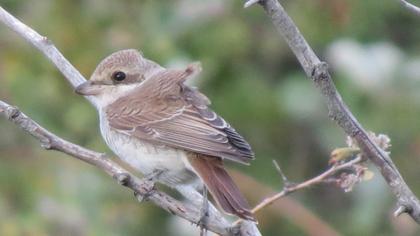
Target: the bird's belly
(148, 158)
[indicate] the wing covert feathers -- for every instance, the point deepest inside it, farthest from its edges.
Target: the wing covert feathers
(164, 110)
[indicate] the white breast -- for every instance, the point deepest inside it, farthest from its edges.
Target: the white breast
(147, 157)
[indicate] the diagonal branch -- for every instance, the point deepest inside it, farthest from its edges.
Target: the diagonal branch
(44, 45)
(216, 223)
(141, 188)
(288, 188)
(338, 111)
(411, 7)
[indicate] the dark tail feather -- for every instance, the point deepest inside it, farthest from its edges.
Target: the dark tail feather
(221, 185)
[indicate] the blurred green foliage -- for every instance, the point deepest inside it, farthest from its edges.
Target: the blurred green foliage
(253, 81)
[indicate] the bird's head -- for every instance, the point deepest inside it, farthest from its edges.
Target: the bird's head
(117, 74)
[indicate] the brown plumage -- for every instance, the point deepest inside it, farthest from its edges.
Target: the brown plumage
(220, 185)
(162, 110)
(165, 110)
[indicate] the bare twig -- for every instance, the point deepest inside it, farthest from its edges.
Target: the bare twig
(328, 176)
(216, 223)
(250, 3)
(287, 208)
(140, 187)
(286, 181)
(411, 7)
(290, 188)
(338, 110)
(44, 45)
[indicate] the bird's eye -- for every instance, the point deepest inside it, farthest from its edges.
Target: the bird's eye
(118, 76)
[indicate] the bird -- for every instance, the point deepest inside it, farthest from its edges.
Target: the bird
(152, 120)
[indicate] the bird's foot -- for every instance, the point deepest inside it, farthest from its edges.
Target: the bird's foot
(148, 185)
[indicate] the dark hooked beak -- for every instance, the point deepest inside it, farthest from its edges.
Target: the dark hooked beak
(89, 88)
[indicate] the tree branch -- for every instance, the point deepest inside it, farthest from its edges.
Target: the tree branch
(338, 111)
(142, 189)
(325, 177)
(414, 9)
(44, 45)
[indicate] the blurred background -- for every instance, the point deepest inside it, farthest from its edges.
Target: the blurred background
(254, 82)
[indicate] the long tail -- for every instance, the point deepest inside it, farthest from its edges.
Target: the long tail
(221, 185)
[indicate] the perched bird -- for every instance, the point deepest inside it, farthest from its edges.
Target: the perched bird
(157, 124)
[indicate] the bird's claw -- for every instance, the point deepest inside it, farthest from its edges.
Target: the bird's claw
(148, 188)
(149, 182)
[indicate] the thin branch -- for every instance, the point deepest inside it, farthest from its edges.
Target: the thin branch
(277, 166)
(338, 110)
(216, 223)
(141, 188)
(411, 7)
(250, 3)
(290, 188)
(288, 208)
(281, 173)
(45, 45)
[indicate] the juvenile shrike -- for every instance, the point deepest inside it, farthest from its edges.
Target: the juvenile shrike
(156, 123)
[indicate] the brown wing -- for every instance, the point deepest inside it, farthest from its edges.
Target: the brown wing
(164, 110)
